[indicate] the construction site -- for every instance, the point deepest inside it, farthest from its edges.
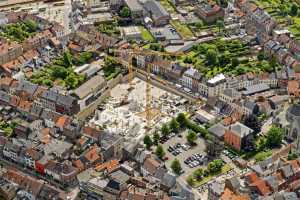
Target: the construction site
(125, 114)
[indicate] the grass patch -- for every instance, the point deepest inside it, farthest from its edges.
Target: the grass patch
(146, 35)
(262, 155)
(224, 169)
(168, 6)
(183, 30)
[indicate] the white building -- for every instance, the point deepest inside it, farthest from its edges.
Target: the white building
(132, 33)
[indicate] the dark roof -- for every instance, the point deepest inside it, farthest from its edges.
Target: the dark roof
(156, 9)
(50, 95)
(218, 130)
(272, 181)
(65, 100)
(294, 109)
(4, 96)
(113, 184)
(36, 109)
(27, 86)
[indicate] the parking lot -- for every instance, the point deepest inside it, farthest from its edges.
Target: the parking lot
(184, 152)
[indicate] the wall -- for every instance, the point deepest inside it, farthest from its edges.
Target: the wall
(90, 109)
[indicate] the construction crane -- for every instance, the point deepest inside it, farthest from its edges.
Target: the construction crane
(142, 52)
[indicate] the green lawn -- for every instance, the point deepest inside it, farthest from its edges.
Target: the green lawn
(61, 71)
(225, 169)
(262, 155)
(146, 35)
(183, 30)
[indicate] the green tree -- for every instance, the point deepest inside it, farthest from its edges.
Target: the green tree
(274, 137)
(294, 10)
(199, 24)
(67, 58)
(190, 180)
(71, 81)
(182, 120)
(165, 130)
(148, 142)
(125, 12)
(220, 24)
(273, 64)
(59, 72)
(261, 56)
(211, 57)
(176, 166)
(215, 166)
(159, 152)
(174, 125)
(198, 174)
(235, 62)
(156, 138)
(191, 137)
(31, 26)
(224, 59)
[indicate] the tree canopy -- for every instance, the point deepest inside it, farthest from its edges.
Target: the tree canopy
(159, 152)
(176, 166)
(274, 137)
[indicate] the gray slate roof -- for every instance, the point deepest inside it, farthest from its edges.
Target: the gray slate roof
(240, 129)
(218, 130)
(156, 9)
(256, 88)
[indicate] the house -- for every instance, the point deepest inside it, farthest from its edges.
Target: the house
(29, 186)
(137, 11)
(293, 117)
(229, 95)
(215, 191)
(156, 12)
(8, 190)
(238, 136)
(50, 192)
(91, 90)
(12, 151)
(31, 156)
(111, 146)
(176, 71)
(191, 78)
(9, 51)
(62, 172)
(209, 12)
(215, 85)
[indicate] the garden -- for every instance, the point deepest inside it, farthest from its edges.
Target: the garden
(183, 30)
(228, 57)
(285, 12)
(202, 176)
(111, 68)
(146, 35)
(7, 128)
(110, 29)
(19, 31)
(61, 71)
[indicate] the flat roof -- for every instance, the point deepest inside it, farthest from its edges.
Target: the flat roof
(89, 86)
(256, 88)
(216, 79)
